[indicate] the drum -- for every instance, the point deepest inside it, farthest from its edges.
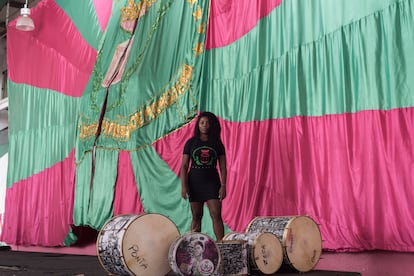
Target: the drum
(233, 257)
(136, 244)
(264, 250)
(194, 254)
(300, 237)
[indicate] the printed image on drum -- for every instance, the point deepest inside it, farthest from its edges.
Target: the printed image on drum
(194, 254)
(300, 237)
(233, 257)
(136, 244)
(264, 251)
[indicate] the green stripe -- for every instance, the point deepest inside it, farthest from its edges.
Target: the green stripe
(160, 191)
(83, 15)
(313, 58)
(41, 129)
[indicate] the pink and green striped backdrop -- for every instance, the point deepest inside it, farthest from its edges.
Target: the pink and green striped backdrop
(315, 98)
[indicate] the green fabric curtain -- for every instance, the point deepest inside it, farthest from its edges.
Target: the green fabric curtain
(155, 91)
(82, 14)
(42, 130)
(321, 63)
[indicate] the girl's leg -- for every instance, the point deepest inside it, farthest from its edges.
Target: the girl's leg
(214, 206)
(197, 215)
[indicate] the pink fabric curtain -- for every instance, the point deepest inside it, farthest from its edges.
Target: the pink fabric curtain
(294, 167)
(126, 197)
(45, 213)
(51, 46)
(103, 10)
(225, 25)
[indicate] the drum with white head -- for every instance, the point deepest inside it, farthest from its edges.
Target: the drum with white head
(300, 237)
(136, 244)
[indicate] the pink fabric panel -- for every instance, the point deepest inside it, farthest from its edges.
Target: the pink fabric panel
(352, 173)
(103, 10)
(171, 147)
(126, 197)
(50, 45)
(230, 20)
(50, 193)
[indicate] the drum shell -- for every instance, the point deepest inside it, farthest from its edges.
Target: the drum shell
(233, 257)
(299, 235)
(133, 244)
(182, 259)
(264, 250)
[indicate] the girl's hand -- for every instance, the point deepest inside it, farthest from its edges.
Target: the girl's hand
(184, 192)
(222, 192)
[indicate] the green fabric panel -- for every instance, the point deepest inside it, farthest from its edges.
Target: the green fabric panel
(70, 239)
(83, 15)
(321, 60)
(4, 149)
(154, 95)
(160, 84)
(160, 191)
(41, 129)
(94, 207)
(82, 191)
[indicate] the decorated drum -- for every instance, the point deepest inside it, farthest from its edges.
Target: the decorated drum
(233, 257)
(300, 237)
(194, 254)
(136, 244)
(264, 250)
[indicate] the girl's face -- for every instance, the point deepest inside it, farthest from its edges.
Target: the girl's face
(198, 250)
(204, 125)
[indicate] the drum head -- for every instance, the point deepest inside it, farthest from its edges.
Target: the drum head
(146, 243)
(194, 254)
(303, 243)
(267, 253)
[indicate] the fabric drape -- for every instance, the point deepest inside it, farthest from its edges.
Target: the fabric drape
(315, 98)
(318, 120)
(145, 84)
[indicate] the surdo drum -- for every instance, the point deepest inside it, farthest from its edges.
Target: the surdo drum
(264, 250)
(136, 244)
(233, 257)
(300, 237)
(194, 254)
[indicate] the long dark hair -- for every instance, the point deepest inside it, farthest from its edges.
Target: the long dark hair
(215, 128)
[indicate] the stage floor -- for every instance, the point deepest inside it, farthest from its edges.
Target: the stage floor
(372, 263)
(33, 263)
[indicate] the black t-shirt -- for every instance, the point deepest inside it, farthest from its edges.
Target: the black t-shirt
(203, 154)
(203, 177)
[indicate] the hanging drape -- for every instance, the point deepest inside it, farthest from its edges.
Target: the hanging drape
(315, 98)
(316, 103)
(318, 115)
(144, 85)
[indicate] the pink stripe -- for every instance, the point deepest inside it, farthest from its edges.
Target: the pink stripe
(230, 20)
(350, 172)
(51, 193)
(103, 10)
(39, 209)
(53, 56)
(126, 199)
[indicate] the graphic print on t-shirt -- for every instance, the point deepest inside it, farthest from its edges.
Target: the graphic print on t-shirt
(204, 156)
